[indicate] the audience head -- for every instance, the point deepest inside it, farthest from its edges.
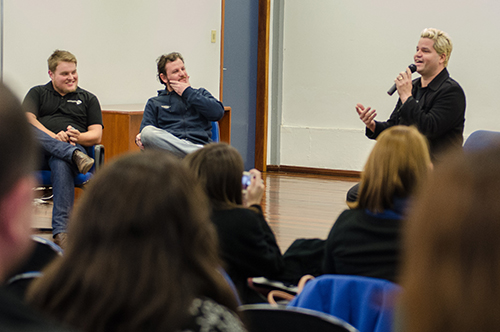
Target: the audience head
(398, 162)
(162, 62)
(442, 42)
(451, 273)
(60, 56)
(218, 167)
(17, 165)
(141, 248)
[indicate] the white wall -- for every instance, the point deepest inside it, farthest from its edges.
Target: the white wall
(339, 53)
(116, 43)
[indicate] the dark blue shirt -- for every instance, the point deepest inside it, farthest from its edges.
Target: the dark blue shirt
(187, 117)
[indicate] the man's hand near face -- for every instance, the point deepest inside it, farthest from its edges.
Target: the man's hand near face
(179, 86)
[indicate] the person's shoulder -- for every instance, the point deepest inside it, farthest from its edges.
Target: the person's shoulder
(444, 81)
(39, 87)
(246, 217)
(196, 91)
(236, 210)
(350, 217)
(208, 315)
(86, 93)
(42, 87)
(15, 315)
(350, 213)
(161, 96)
(342, 224)
(452, 87)
(453, 83)
(251, 211)
(162, 93)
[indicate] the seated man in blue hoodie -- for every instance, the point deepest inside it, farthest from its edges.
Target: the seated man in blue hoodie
(180, 118)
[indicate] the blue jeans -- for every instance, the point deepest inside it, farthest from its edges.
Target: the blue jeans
(58, 158)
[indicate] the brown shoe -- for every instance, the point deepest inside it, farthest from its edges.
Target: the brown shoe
(82, 161)
(60, 239)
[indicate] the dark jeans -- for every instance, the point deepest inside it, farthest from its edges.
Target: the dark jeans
(58, 158)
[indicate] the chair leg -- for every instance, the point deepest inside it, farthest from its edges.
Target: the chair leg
(47, 195)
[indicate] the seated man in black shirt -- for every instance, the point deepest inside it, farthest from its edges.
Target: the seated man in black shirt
(66, 119)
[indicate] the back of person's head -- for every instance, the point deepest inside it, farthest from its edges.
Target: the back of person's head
(17, 142)
(162, 61)
(60, 56)
(218, 167)
(18, 156)
(141, 248)
(398, 162)
(442, 42)
(451, 272)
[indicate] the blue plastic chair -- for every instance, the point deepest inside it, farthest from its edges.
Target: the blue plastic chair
(481, 139)
(96, 152)
(365, 303)
(215, 132)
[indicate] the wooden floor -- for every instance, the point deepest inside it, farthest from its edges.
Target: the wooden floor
(295, 205)
(303, 206)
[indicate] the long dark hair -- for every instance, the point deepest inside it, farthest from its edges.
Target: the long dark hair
(218, 167)
(140, 249)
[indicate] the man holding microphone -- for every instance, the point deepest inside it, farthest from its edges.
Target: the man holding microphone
(434, 102)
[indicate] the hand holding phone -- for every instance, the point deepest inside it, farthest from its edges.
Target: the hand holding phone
(246, 179)
(254, 187)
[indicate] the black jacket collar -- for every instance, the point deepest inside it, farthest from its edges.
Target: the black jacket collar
(438, 80)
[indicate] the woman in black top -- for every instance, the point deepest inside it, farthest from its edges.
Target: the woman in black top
(247, 243)
(365, 240)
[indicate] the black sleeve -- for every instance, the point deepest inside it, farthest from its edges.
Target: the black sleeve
(328, 258)
(248, 243)
(31, 102)
(381, 126)
(265, 246)
(444, 113)
(331, 244)
(94, 113)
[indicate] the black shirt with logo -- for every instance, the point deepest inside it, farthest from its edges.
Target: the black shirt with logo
(79, 109)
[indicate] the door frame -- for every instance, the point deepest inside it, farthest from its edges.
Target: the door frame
(261, 112)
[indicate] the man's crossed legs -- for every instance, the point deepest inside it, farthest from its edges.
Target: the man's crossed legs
(64, 161)
(155, 138)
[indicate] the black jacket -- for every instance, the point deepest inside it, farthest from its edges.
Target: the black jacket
(248, 246)
(439, 113)
(363, 244)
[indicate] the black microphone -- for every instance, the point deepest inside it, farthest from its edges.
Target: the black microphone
(393, 88)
